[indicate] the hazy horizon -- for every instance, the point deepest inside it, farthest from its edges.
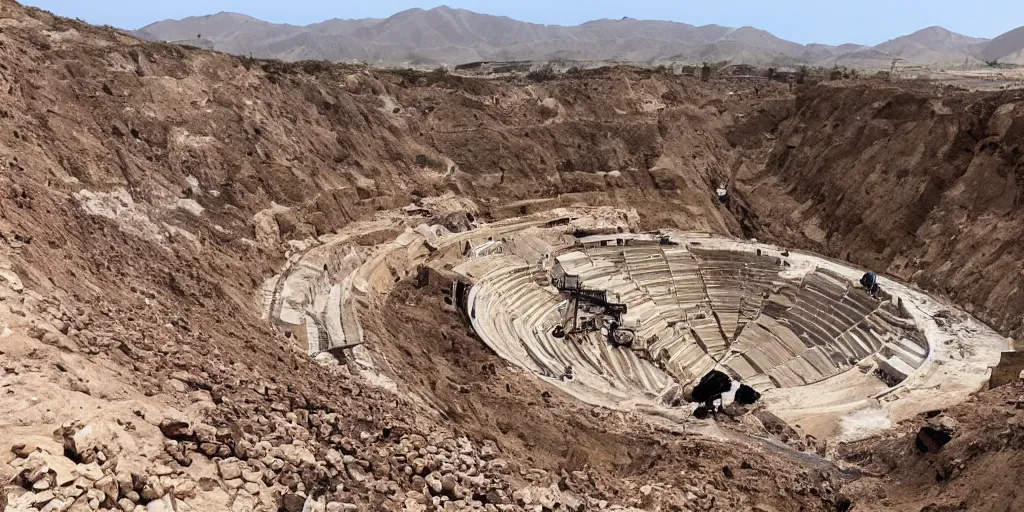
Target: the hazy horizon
(867, 22)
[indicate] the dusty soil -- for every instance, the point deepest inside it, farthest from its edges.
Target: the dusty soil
(972, 472)
(923, 183)
(148, 190)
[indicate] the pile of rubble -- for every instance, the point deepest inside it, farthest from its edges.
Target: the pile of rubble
(297, 460)
(83, 475)
(278, 463)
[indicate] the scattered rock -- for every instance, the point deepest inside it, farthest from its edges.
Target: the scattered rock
(108, 486)
(41, 498)
(291, 502)
(165, 503)
(230, 469)
(434, 483)
(207, 484)
(448, 484)
(175, 429)
(252, 476)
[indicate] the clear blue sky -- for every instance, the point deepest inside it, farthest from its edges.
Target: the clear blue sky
(803, 21)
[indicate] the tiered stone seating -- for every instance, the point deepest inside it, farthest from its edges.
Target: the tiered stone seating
(531, 248)
(825, 326)
(647, 266)
(902, 350)
(709, 335)
(681, 356)
(736, 284)
(759, 350)
(695, 311)
(612, 253)
(516, 315)
(686, 280)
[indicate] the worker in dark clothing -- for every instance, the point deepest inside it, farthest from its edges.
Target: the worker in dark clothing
(870, 283)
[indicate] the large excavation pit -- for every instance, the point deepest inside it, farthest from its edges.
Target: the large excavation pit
(824, 353)
(800, 329)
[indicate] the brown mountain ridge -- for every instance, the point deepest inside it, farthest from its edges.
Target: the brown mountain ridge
(444, 35)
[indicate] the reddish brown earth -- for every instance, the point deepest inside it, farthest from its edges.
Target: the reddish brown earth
(144, 306)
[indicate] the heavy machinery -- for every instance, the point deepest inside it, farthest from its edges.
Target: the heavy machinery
(589, 310)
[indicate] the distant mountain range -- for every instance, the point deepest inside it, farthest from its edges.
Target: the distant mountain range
(444, 35)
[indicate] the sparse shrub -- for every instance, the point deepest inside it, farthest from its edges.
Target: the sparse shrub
(247, 61)
(406, 72)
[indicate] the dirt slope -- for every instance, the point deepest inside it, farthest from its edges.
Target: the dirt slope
(934, 45)
(972, 472)
(1006, 48)
(918, 182)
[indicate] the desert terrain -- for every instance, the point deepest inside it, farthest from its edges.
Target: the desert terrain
(233, 284)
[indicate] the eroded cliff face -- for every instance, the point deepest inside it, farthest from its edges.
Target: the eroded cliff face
(916, 181)
(174, 126)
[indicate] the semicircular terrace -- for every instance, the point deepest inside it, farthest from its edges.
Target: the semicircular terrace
(785, 324)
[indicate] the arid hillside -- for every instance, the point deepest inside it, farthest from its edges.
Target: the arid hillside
(919, 182)
(446, 36)
(149, 191)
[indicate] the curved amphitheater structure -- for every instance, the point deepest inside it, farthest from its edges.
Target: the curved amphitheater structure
(796, 327)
